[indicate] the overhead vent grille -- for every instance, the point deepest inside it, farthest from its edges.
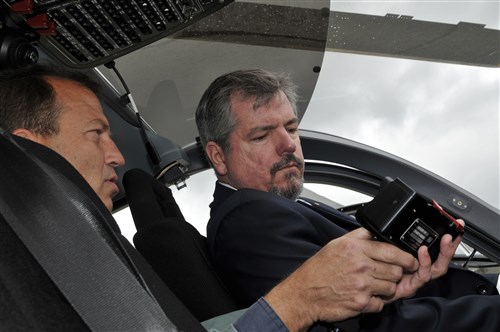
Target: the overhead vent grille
(91, 32)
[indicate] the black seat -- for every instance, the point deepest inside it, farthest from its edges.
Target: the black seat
(39, 188)
(169, 243)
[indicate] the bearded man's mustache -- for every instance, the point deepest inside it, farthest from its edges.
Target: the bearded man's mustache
(284, 162)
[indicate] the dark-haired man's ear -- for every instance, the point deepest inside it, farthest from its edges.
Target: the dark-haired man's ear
(28, 134)
(216, 155)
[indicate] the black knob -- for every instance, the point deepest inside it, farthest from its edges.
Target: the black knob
(15, 50)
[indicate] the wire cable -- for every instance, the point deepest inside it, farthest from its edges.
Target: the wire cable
(150, 148)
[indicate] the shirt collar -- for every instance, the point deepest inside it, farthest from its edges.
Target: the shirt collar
(227, 185)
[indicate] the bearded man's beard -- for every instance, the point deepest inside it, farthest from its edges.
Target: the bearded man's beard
(294, 184)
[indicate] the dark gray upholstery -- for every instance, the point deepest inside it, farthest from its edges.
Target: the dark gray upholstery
(180, 254)
(29, 299)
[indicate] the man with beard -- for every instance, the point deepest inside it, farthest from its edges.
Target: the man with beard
(258, 234)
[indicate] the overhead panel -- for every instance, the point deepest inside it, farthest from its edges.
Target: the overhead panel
(92, 32)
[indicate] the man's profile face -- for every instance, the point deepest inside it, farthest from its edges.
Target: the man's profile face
(265, 151)
(84, 138)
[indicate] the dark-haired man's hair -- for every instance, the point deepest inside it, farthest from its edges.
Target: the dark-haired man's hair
(28, 100)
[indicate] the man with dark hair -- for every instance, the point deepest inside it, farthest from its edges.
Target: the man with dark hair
(60, 110)
(258, 234)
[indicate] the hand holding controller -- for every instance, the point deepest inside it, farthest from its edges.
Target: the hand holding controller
(399, 215)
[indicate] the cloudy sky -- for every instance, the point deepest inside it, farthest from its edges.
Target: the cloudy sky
(443, 117)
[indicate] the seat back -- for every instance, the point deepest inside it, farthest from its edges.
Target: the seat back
(174, 248)
(60, 252)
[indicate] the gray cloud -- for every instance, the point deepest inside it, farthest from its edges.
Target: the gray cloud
(443, 117)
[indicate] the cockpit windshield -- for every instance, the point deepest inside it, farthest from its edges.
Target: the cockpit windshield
(416, 79)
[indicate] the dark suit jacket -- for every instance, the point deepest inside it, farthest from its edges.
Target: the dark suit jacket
(257, 239)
